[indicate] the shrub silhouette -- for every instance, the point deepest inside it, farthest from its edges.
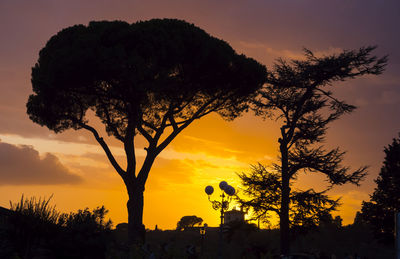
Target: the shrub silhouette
(32, 222)
(84, 234)
(35, 228)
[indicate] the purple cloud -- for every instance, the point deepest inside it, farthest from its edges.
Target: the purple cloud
(22, 165)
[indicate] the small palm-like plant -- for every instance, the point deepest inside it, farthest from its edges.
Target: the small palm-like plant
(33, 220)
(38, 209)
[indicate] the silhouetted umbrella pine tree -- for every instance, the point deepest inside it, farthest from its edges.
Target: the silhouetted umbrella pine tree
(151, 78)
(188, 222)
(298, 94)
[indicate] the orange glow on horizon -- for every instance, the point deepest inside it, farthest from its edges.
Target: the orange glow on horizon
(207, 152)
(211, 149)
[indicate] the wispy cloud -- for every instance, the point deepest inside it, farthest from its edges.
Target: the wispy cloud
(275, 53)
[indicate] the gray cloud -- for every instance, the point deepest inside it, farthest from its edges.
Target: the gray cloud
(22, 165)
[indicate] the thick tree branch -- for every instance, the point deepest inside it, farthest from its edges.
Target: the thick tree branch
(173, 122)
(149, 125)
(161, 128)
(148, 162)
(298, 112)
(129, 147)
(174, 133)
(106, 149)
(110, 124)
(144, 133)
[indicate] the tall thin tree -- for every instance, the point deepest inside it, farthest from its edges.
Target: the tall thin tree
(298, 94)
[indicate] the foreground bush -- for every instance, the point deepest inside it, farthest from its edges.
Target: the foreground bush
(36, 229)
(84, 234)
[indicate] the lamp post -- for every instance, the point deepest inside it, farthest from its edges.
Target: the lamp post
(222, 206)
(202, 236)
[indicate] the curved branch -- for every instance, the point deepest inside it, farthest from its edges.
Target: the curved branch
(106, 149)
(109, 121)
(149, 125)
(161, 129)
(200, 112)
(144, 133)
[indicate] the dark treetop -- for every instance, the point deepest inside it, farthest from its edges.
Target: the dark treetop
(142, 77)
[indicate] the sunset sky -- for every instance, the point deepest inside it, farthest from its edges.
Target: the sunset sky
(70, 165)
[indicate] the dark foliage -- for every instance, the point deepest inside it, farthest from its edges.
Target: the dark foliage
(32, 221)
(248, 242)
(298, 94)
(84, 234)
(380, 211)
(35, 228)
(238, 230)
(188, 222)
(151, 78)
(263, 189)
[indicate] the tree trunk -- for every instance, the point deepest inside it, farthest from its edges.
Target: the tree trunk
(284, 213)
(136, 229)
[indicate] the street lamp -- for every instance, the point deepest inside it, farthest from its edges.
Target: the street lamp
(202, 236)
(222, 205)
